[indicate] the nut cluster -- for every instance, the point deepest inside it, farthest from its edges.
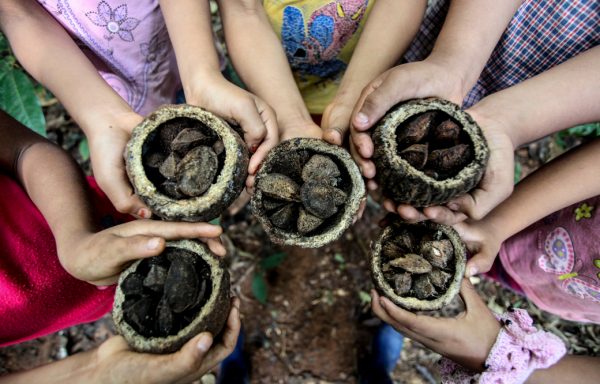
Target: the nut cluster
(418, 265)
(183, 159)
(303, 206)
(433, 143)
(165, 293)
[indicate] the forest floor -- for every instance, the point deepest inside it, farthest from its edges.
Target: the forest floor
(306, 313)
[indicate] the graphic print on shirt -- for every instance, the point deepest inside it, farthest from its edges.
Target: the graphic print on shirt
(559, 259)
(312, 48)
(115, 21)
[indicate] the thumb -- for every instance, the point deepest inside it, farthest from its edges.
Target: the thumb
(186, 362)
(131, 248)
(478, 264)
(335, 122)
(376, 99)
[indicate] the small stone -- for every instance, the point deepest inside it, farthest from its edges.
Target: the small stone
(283, 217)
(139, 314)
(412, 263)
(320, 167)
(181, 286)
(450, 159)
(439, 278)
(416, 129)
(321, 199)
(423, 288)
(155, 160)
(447, 130)
(171, 189)
(402, 283)
(415, 155)
(196, 171)
(165, 318)
(280, 187)
(133, 285)
(437, 252)
(188, 138)
(155, 280)
(271, 204)
(169, 167)
(307, 222)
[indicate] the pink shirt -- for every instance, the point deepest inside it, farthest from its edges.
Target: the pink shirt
(37, 296)
(128, 43)
(556, 261)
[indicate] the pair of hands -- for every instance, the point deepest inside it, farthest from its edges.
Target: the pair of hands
(108, 140)
(114, 362)
(466, 339)
(429, 78)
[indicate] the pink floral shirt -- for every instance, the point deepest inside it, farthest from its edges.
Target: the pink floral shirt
(128, 42)
(556, 261)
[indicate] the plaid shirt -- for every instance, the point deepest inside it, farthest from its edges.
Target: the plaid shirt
(541, 35)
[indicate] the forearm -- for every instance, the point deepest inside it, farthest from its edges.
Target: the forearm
(562, 97)
(190, 30)
(259, 58)
(51, 56)
(57, 187)
(469, 34)
(388, 32)
(77, 368)
(564, 181)
(570, 369)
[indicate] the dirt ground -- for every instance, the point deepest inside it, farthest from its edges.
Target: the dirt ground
(311, 321)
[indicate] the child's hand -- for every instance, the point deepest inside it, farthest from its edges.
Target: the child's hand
(336, 118)
(467, 339)
(483, 242)
(426, 78)
(495, 186)
(292, 127)
(107, 148)
(99, 258)
(116, 363)
(257, 119)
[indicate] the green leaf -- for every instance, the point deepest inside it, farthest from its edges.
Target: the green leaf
(259, 287)
(84, 149)
(3, 44)
(364, 297)
(216, 221)
(18, 98)
(339, 258)
(518, 172)
(273, 260)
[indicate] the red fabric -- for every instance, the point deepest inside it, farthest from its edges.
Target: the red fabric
(38, 296)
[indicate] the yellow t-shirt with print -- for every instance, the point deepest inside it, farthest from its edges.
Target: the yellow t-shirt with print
(318, 37)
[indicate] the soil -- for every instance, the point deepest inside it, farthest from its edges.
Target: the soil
(315, 323)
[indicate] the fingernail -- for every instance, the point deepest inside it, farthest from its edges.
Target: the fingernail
(204, 343)
(362, 118)
(253, 148)
(473, 271)
(453, 206)
(153, 243)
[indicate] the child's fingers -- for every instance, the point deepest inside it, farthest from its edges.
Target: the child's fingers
(363, 143)
(410, 214)
(216, 246)
(262, 140)
(335, 123)
(443, 215)
(380, 312)
(169, 230)
(478, 264)
(427, 328)
(121, 194)
(228, 339)
(367, 168)
(186, 364)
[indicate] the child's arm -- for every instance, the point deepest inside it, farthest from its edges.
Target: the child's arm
(114, 362)
(570, 178)
(55, 184)
(388, 32)
(189, 25)
(260, 60)
(468, 338)
(470, 32)
(562, 97)
(49, 54)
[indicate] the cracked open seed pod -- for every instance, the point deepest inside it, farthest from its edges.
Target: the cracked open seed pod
(418, 266)
(164, 301)
(186, 163)
(307, 192)
(428, 151)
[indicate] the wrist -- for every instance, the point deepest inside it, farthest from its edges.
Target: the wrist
(199, 82)
(457, 68)
(68, 249)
